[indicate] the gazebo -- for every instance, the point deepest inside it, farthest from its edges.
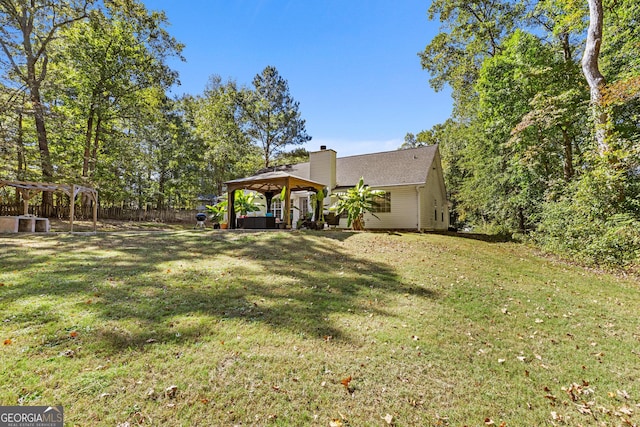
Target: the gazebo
(270, 184)
(29, 189)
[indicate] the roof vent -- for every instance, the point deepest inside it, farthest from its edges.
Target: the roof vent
(323, 147)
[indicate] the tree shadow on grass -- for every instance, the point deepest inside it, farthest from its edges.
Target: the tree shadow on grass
(489, 238)
(291, 282)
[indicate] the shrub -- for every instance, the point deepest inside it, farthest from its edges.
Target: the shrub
(592, 221)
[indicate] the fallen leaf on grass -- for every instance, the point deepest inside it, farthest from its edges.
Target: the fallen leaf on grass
(345, 382)
(388, 418)
(73, 334)
(625, 410)
(623, 394)
(585, 409)
(489, 422)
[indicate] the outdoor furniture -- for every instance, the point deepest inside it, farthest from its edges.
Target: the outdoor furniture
(24, 223)
(257, 222)
(332, 219)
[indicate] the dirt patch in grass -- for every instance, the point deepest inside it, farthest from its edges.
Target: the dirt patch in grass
(313, 328)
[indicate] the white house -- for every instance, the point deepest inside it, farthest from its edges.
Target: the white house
(415, 196)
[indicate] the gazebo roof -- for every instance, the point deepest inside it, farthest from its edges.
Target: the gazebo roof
(274, 181)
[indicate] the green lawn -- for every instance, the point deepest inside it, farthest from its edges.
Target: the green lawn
(210, 328)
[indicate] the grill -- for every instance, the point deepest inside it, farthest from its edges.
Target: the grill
(200, 218)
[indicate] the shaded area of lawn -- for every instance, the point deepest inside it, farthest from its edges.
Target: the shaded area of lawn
(290, 282)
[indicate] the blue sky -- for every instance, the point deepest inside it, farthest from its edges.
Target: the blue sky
(351, 64)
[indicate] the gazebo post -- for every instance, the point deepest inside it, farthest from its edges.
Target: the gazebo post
(287, 204)
(231, 210)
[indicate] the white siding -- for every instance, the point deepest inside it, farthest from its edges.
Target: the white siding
(435, 207)
(403, 215)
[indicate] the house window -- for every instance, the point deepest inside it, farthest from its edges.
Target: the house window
(382, 203)
(304, 207)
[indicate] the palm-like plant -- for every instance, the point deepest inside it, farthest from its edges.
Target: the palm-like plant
(356, 202)
(246, 202)
(317, 199)
(217, 211)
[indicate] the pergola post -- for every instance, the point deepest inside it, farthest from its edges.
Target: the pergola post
(25, 203)
(95, 211)
(72, 206)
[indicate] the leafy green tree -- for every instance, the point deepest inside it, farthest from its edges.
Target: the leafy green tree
(272, 117)
(299, 155)
(471, 31)
(424, 137)
(218, 121)
(356, 202)
(28, 29)
(112, 63)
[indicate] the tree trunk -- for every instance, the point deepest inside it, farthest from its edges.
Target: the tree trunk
(595, 79)
(43, 145)
(96, 145)
(87, 144)
(22, 161)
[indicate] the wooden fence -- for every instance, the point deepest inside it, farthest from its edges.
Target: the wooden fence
(115, 213)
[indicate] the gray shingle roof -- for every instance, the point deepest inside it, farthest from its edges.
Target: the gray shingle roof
(378, 169)
(387, 168)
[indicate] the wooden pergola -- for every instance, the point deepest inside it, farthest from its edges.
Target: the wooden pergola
(29, 189)
(270, 184)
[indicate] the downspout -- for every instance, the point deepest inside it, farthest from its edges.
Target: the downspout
(419, 210)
